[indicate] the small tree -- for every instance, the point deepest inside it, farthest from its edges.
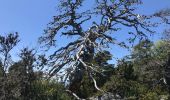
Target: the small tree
(7, 43)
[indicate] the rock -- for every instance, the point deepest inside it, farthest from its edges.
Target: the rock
(164, 97)
(106, 96)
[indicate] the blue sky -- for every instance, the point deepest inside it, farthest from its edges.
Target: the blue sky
(30, 18)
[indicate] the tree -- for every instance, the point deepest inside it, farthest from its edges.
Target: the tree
(143, 76)
(17, 82)
(70, 21)
(20, 77)
(142, 51)
(24, 83)
(166, 41)
(160, 50)
(167, 72)
(7, 43)
(149, 61)
(86, 84)
(142, 57)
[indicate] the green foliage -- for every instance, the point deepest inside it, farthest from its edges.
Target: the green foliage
(133, 89)
(86, 86)
(161, 49)
(123, 82)
(49, 90)
(139, 77)
(142, 51)
(22, 88)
